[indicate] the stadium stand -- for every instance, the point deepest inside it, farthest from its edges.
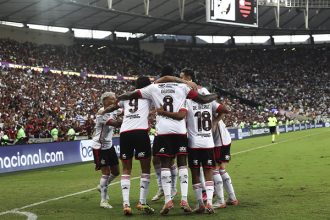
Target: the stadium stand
(270, 78)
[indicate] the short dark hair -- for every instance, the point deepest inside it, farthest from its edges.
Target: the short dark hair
(167, 71)
(142, 82)
(190, 73)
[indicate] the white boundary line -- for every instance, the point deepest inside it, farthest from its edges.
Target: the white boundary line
(134, 178)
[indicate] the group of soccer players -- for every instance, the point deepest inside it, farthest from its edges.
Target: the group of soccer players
(188, 125)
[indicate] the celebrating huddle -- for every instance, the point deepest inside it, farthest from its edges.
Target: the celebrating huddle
(188, 124)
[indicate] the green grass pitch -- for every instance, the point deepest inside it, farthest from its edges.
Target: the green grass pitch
(286, 180)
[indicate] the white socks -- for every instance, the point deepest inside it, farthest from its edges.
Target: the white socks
(144, 187)
(198, 192)
(174, 173)
(104, 187)
(111, 177)
(218, 186)
(125, 187)
(227, 184)
(209, 186)
(202, 178)
(159, 178)
(183, 177)
(166, 183)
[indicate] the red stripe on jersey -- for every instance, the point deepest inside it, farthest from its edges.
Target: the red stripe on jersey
(219, 108)
(108, 122)
(164, 155)
(183, 110)
(140, 94)
(208, 167)
(192, 94)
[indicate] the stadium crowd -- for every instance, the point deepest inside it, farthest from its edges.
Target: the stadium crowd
(295, 80)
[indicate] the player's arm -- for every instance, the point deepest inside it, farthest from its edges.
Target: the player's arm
(221, 111)
(166, 79)
(130, 95)
(114, 122)
(203, 99)
(109, 109)
(181, 114)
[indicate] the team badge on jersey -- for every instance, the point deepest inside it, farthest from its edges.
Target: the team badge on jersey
(141, 155)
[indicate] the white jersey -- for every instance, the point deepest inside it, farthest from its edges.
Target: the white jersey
(136, 112)
(103, 133)
(199, 122)
(172, 97)
(221, 135)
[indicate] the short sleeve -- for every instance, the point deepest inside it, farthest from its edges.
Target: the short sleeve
(120, 104)
(107, 117)
(184, 106)
(216, 107)
(146, 92)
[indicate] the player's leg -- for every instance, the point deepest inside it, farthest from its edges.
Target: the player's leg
(143, 154)
(227, 183)
(126, 155)
(166, 183)
(166, 152)
(158, 169)
(105, 170)
(272, 132)
(182, 143)
(197, 187)
(174, 175)
(218, 183)
(194, 166)
(202, 179)
(208, 162)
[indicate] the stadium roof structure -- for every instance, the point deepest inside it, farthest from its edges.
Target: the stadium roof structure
(179, 17)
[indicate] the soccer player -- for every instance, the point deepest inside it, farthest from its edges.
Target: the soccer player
(196, 136)
(200, 147)
(222, 141)
(105, 157)
(171, 139)
(134, 140)
(272, 123)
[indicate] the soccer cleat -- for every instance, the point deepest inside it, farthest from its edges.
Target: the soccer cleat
(185, 206)
(105, 204)
(159, 194)
(145, 207)
(166, 208)
(200, 209)
(219, 205)
(127, 210)
(209, 209)
(232, 202)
